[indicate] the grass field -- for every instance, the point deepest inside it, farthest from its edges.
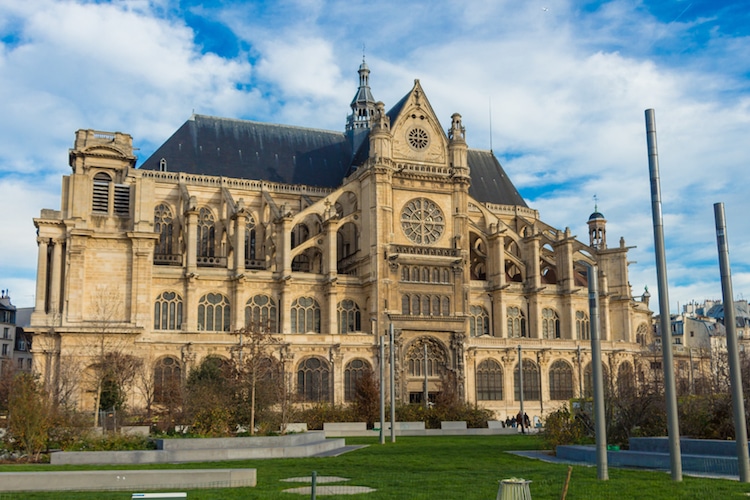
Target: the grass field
(462, 467)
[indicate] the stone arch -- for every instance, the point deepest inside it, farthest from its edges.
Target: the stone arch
(478, 257)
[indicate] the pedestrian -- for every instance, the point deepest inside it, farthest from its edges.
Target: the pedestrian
(520, 422)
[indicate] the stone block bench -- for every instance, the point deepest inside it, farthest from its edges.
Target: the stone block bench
(458, 425)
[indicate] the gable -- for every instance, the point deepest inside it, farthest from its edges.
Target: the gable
(416, 131)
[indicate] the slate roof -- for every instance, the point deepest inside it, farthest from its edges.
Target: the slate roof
(295, 155)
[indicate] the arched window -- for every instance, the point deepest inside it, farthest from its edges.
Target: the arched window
(168, 311)
(353, 373)
(206, 233)
(489, 381)
(550, 324)
(100, 194)
(213, 313)
(260, 311)
(641, 335)
(249, 239)
(405, 273)
(305, 315)
(167, 380)
(516, 322)
(164, 228)
(436, 362)
(405, 302)
(588, 380)
(531, 387)
(313, 380)
(479, 321)
(625, 379)
(583, 330)
(560, 381)
(446, 306)
(350, 319)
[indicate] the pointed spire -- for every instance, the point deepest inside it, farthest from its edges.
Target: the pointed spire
(363, 104)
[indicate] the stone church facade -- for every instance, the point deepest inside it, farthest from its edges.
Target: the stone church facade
(326, 239)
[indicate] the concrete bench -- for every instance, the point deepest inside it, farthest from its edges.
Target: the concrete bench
(453, 426)
(405, 426)
(495, 424)
(344, 426)
(294, 427)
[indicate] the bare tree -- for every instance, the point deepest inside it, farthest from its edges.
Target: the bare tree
(112, 368)
(255, 364)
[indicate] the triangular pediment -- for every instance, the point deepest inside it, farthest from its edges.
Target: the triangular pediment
(416, 130)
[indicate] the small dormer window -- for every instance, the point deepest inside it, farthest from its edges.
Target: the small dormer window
(100, 197)
(163, 165)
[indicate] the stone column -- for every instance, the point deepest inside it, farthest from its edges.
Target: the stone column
(41, 275)
(191, 236)
(56, 276)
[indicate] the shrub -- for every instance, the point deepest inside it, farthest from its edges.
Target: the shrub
(561, 428)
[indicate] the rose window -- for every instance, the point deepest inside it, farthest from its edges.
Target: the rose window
(418, 138)
(422, 221)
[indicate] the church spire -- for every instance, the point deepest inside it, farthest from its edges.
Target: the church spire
(363, 104)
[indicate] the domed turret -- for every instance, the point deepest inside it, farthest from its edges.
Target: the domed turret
(597, 230)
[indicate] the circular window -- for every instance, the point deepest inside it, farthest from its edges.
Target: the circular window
(422, 221)
(418, 138)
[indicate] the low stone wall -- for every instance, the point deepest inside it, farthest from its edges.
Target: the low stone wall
(208, 450)
(132, 480)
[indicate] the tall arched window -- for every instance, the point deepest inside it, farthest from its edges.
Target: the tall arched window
(560, 381)
(167, 380)
(516, 322)
(435, 363)
(588, 380)
(168, 311)
(164, 228)
(354, 371)
(550, 324)
(583, 329)
(479, 321)
(350, 318)
(100, 194)
(261, 312)
(625, 379)
(313, 380)
(531, 387)
(489, 381)
(250, 238)
(213, 313)
(206, 233)
(305, 315)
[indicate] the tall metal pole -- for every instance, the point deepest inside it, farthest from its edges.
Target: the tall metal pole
(382, 389)
(520, 384)
(735, 374)
(393, 385)
(600, 426)
(670, 392)
(426, 393)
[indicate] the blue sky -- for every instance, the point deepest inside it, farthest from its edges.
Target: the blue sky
(567, 83)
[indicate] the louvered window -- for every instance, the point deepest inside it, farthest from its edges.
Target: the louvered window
(122, 199)
(100, 198)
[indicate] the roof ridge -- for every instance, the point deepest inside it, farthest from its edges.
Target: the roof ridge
(266, 124)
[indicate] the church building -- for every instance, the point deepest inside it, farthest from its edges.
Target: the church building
(325, 239)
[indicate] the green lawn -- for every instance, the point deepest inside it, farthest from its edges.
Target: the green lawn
(439, 468)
